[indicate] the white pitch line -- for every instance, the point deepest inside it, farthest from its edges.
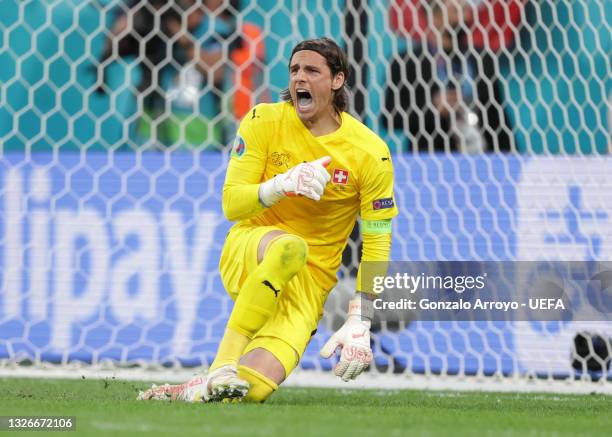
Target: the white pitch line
(304, 378)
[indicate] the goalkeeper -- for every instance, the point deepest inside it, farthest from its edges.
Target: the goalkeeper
(300, 172)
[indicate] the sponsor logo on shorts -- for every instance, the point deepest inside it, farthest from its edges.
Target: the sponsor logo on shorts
(383, 203)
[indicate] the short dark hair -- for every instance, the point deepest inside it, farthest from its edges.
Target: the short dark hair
(337, 63)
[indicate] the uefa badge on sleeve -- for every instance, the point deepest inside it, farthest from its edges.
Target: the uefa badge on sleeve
(385, 203)
(239, 147)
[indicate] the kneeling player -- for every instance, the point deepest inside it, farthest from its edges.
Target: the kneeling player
(300, 173)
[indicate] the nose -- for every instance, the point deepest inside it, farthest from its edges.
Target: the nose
(299, 75)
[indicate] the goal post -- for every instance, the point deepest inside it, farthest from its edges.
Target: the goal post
(114, 149)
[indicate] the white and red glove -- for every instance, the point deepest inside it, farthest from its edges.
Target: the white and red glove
(307, 179)
(354, 339)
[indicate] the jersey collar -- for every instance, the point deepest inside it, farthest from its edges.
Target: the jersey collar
(338, 133)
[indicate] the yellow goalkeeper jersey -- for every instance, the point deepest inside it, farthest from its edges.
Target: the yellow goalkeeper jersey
(271, 140)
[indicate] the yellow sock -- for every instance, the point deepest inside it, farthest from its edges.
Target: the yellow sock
(257, 298)
(261, 387)
(230, 349)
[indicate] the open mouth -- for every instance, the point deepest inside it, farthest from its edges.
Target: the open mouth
(304, 98)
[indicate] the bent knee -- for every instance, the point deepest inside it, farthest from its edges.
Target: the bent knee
(288, 251)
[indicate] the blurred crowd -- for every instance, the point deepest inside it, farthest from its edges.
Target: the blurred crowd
(444, 89)
(202, 66)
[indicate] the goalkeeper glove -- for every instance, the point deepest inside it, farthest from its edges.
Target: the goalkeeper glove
(306, 179)
(354, 338)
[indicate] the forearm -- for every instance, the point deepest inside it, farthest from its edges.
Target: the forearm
(375, 255)
(241, 201)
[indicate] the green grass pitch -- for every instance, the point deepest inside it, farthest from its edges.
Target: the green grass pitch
(108, 407)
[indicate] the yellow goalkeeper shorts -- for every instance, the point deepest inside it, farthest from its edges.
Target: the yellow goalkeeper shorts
(300, 305)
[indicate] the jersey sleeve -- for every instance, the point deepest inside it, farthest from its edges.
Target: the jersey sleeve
(374, 260)
(245, 170)
(377, 201)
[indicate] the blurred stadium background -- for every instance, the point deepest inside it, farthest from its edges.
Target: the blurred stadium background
(115, 140)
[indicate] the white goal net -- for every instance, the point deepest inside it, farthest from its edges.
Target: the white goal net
(115, 117)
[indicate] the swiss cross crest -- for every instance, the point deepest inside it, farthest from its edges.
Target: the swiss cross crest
(340, 176)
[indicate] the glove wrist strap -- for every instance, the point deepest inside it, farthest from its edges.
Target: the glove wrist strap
(270, 193)
(361, 307)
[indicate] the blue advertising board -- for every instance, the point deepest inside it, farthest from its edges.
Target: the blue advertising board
(115, 255)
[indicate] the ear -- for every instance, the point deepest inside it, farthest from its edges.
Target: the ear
(338, 81)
